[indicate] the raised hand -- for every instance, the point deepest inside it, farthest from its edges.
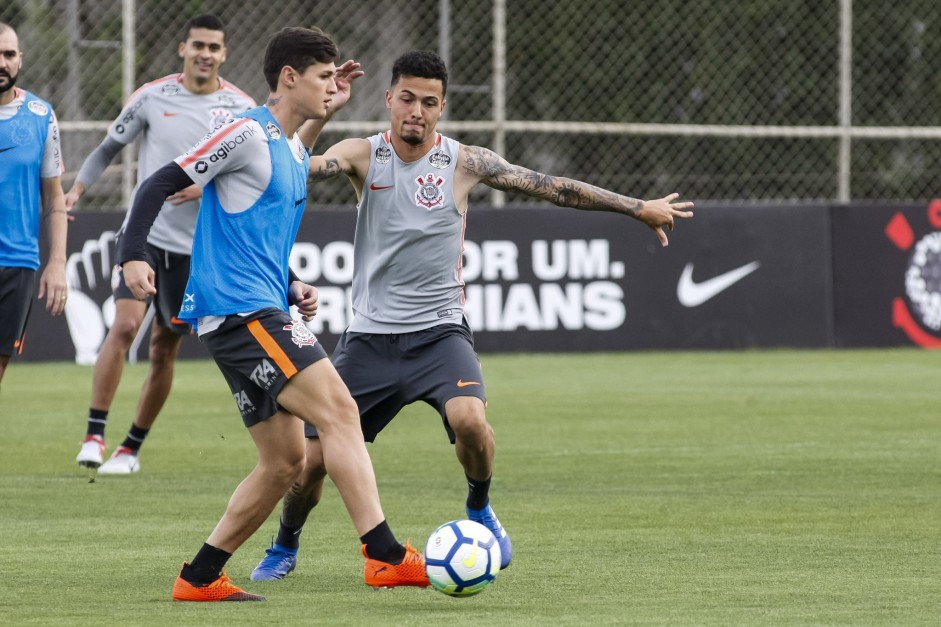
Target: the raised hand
(346, 73)
(662, 212)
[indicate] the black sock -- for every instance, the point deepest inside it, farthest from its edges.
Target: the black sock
(289, 537)
(381, 544)
(135, 437)
(206, 566)
(478, 492)
(97, 420)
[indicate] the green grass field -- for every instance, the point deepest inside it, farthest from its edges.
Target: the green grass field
(745, 488)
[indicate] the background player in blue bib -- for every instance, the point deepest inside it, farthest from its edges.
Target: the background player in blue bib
(30, 167)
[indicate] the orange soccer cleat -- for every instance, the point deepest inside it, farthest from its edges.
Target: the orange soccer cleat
(410, 572)
(222, 589)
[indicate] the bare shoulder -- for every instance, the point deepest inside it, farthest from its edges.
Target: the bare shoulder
(353, 150)
(482, 163)
(350, 157)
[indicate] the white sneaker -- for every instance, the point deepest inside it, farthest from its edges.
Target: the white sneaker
(92, 452)
(122, 462)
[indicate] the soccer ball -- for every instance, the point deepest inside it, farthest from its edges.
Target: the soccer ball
(462, 558)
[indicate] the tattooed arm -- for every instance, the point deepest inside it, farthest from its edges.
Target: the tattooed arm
(494, 171)
(322, 168)
(483, 165)
(350, 157)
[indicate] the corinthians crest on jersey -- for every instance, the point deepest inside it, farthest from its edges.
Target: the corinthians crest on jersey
(430, 194)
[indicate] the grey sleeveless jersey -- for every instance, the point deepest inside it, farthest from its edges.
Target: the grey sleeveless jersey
(170, 120)
(409, 240)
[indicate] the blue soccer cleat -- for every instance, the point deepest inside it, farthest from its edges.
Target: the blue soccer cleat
(276, 564)
(488, 519)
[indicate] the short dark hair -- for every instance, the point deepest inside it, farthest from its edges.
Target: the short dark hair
(299, 48)
(421, 64)
(207, 21)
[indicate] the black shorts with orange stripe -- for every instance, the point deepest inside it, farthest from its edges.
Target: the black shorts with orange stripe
(171, 272)
(17, 291)
(387, 372)
(258, 354)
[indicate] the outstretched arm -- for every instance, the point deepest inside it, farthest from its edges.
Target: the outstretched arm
(493, 170)
(350, 157)
(323, 168)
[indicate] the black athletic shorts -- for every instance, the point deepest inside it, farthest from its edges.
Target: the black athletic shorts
(258, 354)
(172, 271)
(17, 290)
(387, 372)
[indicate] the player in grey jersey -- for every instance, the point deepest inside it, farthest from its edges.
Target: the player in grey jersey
(408, 339)
(170, 114)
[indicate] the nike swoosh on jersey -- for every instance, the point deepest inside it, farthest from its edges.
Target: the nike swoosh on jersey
(5, 149)
(377, 188)
(463, 384)
(169, 114)
(692, 294)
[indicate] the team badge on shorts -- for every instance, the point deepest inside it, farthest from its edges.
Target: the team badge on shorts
(300, 334)
(429, 194)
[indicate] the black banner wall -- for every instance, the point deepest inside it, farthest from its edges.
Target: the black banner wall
(545, 279)
(887, 275)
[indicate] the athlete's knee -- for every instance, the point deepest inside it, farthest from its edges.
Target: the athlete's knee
(468, 419)
(284, 470)
(338, 415)
(164, 346)
(314, 467)
(124, 329)
(474, 433)
(124, 332)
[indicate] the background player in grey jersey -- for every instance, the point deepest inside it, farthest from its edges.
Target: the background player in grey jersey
(171, 114)
(408, 339)
(30, 167)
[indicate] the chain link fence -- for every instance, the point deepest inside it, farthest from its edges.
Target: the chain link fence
(733, 100)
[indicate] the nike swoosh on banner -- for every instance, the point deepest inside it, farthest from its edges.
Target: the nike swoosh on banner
(692, 294)
(376, 188)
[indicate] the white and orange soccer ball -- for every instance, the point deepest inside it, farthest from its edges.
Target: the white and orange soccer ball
(462, 558)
